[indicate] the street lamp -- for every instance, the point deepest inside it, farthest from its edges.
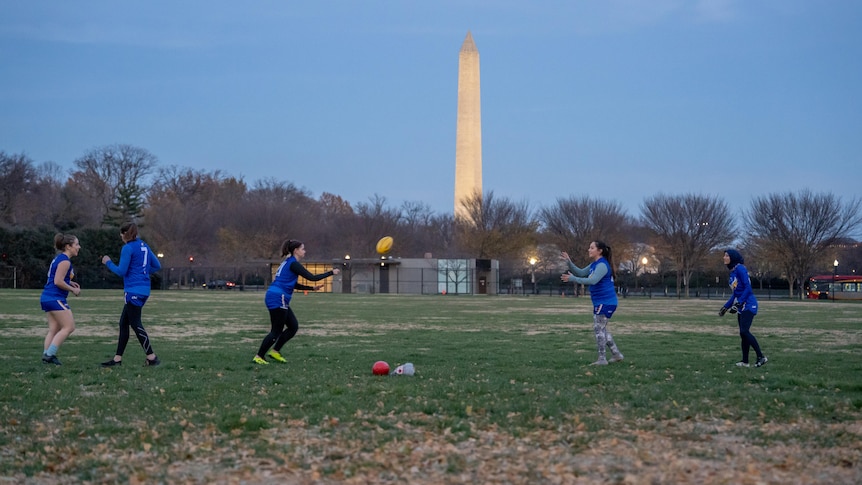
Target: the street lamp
(644, 262)
(834, 274)
(533, 273)
(162, 255)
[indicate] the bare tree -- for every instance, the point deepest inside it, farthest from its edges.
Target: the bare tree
(43, 204)
(186, 210)
(800, 230)
(17, 177)
(116, 176)
(336, 219)
(274, 211)
(373, 221)
(572, 223)
(688, 228)
(495, 228)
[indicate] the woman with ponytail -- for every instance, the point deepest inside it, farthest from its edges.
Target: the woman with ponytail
(61, 322)
(284, 324)
(137, 262)
(600, 276)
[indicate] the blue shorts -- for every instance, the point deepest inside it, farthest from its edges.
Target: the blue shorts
(135, 299)
(276, 299)
(606, 310)
(55, 305)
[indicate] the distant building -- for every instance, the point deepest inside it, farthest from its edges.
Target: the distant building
(409, 276)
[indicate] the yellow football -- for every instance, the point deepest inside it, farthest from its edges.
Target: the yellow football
(384, 245)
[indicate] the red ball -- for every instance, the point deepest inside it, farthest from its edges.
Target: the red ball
(380, 368)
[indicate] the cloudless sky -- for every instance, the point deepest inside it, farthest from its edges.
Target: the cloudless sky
(615, 99)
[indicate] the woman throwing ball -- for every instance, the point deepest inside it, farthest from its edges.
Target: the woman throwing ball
(600, 276)
(278, 297)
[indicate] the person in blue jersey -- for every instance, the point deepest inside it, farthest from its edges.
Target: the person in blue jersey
(282, 319)
(61, 322)
(599, 275)
(137, 262)
(744, 304)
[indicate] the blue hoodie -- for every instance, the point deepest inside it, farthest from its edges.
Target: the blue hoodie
(740, 284)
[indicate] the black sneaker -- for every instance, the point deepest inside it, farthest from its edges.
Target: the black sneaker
(51, 359)
(148, 362)
(761, 362)
(112, 363)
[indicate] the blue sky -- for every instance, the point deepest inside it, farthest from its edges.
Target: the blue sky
(616, 99)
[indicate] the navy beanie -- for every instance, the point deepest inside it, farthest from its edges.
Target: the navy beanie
(735, 258)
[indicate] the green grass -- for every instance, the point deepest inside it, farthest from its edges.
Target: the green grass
(506, 373)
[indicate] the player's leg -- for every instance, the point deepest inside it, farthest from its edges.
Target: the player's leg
(277, 319)
(122, 338)
(600, 325)
(609, 341)
(292, 326)
(66, 322)
(745, 319)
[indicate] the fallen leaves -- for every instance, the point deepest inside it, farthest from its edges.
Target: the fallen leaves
(397, 448)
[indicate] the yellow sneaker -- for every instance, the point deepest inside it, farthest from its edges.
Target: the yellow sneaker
(276, 356)
(258, 360)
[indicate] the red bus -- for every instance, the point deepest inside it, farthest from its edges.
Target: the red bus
(835, 287)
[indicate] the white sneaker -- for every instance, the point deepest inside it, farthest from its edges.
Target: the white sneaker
(761, 361)
(600, 362)
(617, 358)
(742, 364)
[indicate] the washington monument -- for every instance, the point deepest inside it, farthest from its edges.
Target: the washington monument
(468, 138)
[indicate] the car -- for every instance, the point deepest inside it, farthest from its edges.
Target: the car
(220, 285)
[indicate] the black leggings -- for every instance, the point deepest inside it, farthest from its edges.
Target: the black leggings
(131, 317)
(745, 320)
(279, 335)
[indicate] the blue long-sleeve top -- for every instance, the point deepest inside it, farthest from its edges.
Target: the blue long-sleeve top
(740, 284)
(137, 261)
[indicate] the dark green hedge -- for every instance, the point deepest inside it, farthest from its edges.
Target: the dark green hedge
(30, 251)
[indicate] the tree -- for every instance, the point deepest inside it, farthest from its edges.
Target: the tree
(373, 220)
(688, 228)
(495, 228)
(186, 210)
(800, 231)
(115, 176)
(274, 211)
(573, 223)
(17, 177)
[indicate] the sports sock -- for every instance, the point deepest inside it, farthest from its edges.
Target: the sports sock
(52, 350)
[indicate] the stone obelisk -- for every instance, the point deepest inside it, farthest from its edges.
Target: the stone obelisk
(468, 138)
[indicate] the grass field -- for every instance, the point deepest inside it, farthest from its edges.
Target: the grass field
(503, 393)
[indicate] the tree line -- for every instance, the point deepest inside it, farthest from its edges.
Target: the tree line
(222, 220)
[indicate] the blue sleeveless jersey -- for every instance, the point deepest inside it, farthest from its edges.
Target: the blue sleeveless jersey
(280, 292)
(51, 291)
(603, 292)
